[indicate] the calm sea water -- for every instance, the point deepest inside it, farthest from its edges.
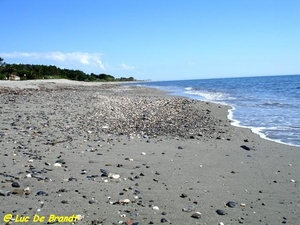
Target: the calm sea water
(269, 106)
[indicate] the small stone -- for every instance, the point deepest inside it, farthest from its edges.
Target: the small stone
(104, 173)
(113, 175)
(155, 207)
(245, 147)
(230, 204)
(4, 193)
(15, 184)
(57, 165)
(27, 191)
(163, 220)
(64, 202)
(221, 212)
(183, 195)
(92, 201)
(80, 217)
(124, 201)
(188, 208)
(143, 153)
(41, 193)
(196, 215)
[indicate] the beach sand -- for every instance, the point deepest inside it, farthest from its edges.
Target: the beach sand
(113, 154)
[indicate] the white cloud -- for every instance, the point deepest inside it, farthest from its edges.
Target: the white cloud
(125, 67)
(86, 59)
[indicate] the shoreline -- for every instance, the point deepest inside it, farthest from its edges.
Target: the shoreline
(255, 130)
(112, 153)
(236, 123)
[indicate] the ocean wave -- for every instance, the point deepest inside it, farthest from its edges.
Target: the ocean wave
(211, 96)
(275, 104)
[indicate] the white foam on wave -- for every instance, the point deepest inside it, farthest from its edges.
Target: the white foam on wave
(211, 96)
(255, 130)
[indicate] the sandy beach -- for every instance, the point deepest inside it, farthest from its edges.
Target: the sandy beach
(104, 153)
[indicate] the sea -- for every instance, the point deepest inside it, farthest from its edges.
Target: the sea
(268, 105)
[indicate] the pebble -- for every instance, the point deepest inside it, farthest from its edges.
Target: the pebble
(189, 208)
(196, 215)
(104, 173)
(4, 193)
(92, 201)
(124, 201)
(245, 147)
(15, 184)
(163, 220)
(221, 212)
(183, 195)
(113, 176)
(231, 204)
(57, 165)
(155, 207)
(41, 193)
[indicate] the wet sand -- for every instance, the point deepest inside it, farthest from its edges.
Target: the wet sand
(110, 154)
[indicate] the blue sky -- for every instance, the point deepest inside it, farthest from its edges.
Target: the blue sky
(155, 39)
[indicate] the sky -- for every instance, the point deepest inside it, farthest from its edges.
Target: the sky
(155, 39)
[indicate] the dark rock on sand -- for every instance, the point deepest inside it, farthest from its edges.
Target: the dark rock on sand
(245, 147)
(183, 195)
(15, 184)
(221, 212)
(41, 193)
(231, 204)
(163, 220)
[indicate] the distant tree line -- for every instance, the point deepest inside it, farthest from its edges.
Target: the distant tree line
(31, 72)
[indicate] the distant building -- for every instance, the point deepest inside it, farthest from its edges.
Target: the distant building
(14, 77)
